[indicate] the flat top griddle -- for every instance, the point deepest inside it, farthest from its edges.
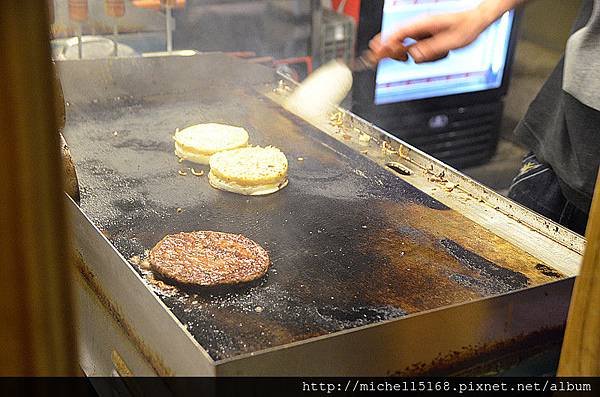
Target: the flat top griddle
(350, 243)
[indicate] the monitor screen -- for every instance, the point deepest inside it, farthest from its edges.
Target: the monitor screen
(477, 67)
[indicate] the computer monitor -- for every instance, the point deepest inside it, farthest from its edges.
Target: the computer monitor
(474, 74)
(451, 108)
(477, 67)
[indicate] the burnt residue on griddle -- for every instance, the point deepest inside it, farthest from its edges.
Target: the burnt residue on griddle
(485, 286)
(548, 271)
(145, 144)
(357, 316)
(128, 204)
(411, 234)
(494, 279)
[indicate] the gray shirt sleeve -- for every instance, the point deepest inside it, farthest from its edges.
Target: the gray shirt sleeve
(582, 62)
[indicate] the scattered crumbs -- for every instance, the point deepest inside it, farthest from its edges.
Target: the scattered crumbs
(258, 309)
(449, 186)
(179, 210)
(386, 148)
(146, 252)
(115, 133)
(300, 158)
(364, 226)
(176, 130)
(547, 271)
(403, 151)
(164, 287)
(364, 139)
(435, 179)
(281, 88)
(135, 259)
(145, 264)
(336, 119)
(194, 302)
(180, 160)
(197, 173)
(182, 173)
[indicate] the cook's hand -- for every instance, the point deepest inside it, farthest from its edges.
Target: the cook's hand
(435, 36)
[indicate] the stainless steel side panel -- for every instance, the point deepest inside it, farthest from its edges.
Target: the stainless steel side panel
(417, 344)
(104, 347)
(150, 326)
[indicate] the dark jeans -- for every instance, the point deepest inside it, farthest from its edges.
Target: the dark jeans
(537, 187)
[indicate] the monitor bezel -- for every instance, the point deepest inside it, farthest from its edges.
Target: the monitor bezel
(371, 14)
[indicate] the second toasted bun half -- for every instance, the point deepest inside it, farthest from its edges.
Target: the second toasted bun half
(249, 171)
(199, 142)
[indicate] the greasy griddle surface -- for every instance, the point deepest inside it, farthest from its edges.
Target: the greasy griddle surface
(350, 243)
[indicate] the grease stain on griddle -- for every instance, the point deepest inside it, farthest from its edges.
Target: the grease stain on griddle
(495, 279)
(144, 144)
(128, 204)
(357, 316)
(548, 271)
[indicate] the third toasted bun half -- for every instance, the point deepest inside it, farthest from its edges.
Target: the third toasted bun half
(249, 171)
(199, 142)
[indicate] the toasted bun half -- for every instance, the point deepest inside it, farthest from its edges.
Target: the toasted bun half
(249, 171)
(258, 190)
(198, 142)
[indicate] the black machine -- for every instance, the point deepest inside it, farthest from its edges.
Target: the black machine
(451, 108)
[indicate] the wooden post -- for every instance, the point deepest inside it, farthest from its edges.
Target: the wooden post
(580, 355)
(36, 312)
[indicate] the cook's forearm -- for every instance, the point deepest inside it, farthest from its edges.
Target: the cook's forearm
(493, 9)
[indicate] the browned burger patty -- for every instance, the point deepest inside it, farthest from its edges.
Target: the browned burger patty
(209, 258)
